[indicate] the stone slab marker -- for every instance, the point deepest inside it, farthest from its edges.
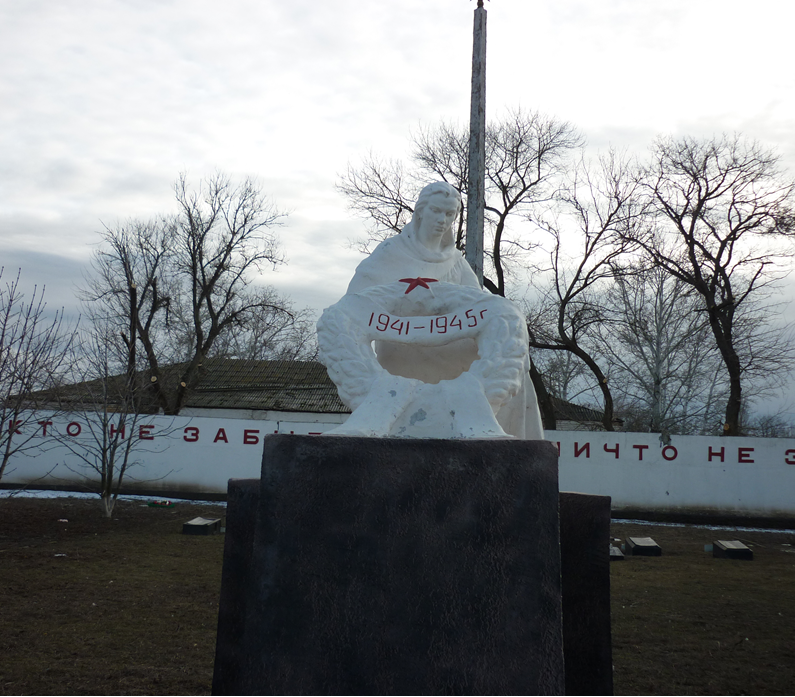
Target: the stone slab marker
(642, 547)
(394, 566)
(731, 549)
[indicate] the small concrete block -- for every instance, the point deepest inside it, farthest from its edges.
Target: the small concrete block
(202, 526)
(731, 549)
(616, 554)
(643, 547)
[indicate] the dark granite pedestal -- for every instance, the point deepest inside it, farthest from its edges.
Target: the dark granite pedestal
(394, 566)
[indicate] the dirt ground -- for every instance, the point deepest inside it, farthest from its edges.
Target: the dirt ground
(129, 605)
(687, 623)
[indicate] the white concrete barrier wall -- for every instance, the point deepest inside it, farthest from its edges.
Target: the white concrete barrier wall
(169, 453)
(730, 475)
(752, 476)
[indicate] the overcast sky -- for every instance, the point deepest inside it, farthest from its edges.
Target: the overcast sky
(104, 102)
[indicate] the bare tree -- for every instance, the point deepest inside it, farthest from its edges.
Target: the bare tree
(383, 194)
(771, 426)
(590, 230)
(526, 154)
(722, 206)
(665, 368)
(765, 343)
(192, 279)
(283, 334)
(33, 347)
(565, 375)
(103, 402)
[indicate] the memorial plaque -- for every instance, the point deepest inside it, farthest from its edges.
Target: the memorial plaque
(616, 554)
(202, 526)
(642, 547)
(731, 549)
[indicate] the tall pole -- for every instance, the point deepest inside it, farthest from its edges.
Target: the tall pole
(476, 181)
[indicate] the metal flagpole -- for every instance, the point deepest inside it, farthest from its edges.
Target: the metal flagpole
(476, 182)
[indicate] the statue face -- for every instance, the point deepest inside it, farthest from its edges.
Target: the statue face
(436, 219)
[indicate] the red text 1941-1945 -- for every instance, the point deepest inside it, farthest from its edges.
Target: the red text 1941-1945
(439, 324)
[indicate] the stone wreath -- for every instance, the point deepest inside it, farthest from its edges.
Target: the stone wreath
(423, 312)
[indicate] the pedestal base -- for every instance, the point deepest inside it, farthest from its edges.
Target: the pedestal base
(392, 566)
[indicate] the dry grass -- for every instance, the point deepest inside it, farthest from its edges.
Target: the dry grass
(689, 624)
(132, 607)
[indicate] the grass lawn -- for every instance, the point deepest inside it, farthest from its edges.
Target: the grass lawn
(129, 605)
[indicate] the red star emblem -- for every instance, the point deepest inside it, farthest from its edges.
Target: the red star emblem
(414, 282)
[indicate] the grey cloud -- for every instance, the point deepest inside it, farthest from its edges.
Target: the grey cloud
(59, 276)
(105, 103)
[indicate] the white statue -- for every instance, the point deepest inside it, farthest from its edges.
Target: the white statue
(418, 349)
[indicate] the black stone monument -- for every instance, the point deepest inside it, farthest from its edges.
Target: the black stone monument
(400, 566)
(585, 569)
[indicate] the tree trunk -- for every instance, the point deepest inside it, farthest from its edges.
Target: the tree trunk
(108, 503)
(734, 405)
(544, 399)
(607, 417)
(722, 331)
(6, 450)
(601, 378)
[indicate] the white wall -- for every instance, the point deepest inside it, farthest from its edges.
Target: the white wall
(199, 454)
(176, 453)
(742, 475)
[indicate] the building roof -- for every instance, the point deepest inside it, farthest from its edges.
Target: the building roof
(267, 386)
(566, 411)
(299, 386)
(258, 385)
